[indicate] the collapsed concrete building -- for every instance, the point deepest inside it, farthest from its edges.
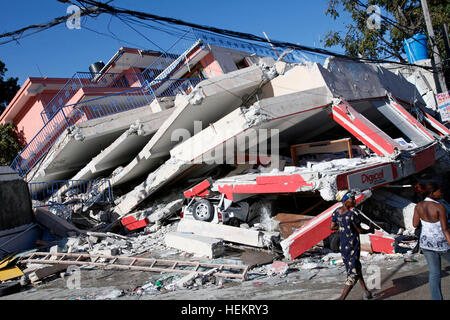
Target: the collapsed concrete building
(265, 128)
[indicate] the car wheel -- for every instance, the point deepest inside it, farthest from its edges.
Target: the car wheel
(203, 210)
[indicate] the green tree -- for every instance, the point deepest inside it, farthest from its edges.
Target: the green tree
(401, 19)
(12, 141)
(8, 88)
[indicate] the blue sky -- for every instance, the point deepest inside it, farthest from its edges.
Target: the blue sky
(60, 52)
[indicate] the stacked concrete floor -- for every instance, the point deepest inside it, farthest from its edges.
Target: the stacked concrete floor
(147, 150)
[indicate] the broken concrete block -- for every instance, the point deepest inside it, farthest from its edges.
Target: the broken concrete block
(68, 153)
(154, 227)
(200, 245)
(106, 252)
(73, 242)
(54, 224)
(186, 280)
(167, 211)
(278, 268)
(160, 104)
(55, 249)
(227, 233)
(211, 100)
(44, 272)
(108, 240)
(154, 181)
(93, 239)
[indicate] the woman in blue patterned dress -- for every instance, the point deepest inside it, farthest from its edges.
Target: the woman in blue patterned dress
(346, 221)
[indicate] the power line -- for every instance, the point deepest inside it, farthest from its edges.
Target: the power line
(247, 36)
(140, 33)
(99, 7)
(43, 26)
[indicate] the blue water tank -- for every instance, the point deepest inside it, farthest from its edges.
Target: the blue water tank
(416, 48)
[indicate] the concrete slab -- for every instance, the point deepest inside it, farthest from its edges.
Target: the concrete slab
(78, 144)
(154, 181)
(168, 172)
(248, 237)
(299, 110)
(280, 113)
(205, 147)
(355, 80)
(192, 243)
(211, 100)
(56, 225)
(343, 78)
(124, 148)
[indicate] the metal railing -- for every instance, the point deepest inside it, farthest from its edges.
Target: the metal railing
(167, 62)
(109, 104)
(245, 46)
(69, 115)
(81, 192)
(88, 80)
(172, 87)
(42, 142)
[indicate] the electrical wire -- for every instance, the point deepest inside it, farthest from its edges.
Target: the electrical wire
(99, 7)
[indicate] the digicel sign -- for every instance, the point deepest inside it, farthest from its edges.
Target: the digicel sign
(370, 178)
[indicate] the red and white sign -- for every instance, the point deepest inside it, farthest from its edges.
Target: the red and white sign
(370, 178)
(443, 100)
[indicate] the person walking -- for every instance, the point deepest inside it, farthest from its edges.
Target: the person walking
(347, 222)
(434, 237)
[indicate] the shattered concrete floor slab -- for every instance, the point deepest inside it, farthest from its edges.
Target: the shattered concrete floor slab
(78, 144)
(210, 100)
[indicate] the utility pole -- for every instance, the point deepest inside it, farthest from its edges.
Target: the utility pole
(437, 64)
(446, 40)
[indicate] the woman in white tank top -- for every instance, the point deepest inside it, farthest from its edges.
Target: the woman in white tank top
(432, 237)
(435, 235)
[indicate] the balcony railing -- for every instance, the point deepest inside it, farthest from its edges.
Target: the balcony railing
(88, 80)
(172, 87)
(245, 46)
(167, 62)
(69, 115)
(84, 192)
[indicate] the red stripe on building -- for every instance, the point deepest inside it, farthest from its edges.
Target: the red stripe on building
(411, 119)
(266, 184)
(198, 190)
(371, 136)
